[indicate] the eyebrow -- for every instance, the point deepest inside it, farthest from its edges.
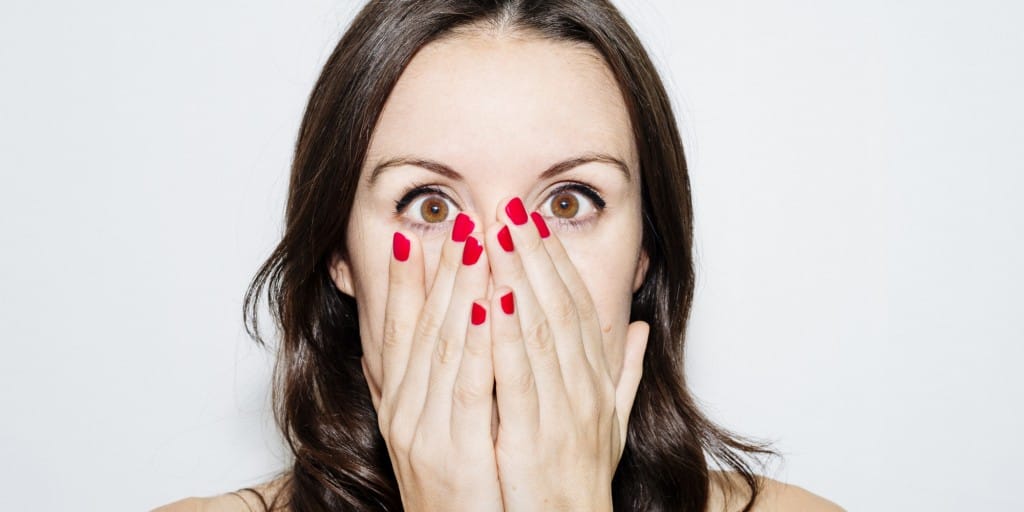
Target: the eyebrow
(448, 172)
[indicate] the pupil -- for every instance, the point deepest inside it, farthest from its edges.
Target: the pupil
(566, 206)
(434, 210)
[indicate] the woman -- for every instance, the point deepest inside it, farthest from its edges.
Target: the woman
(486, 274)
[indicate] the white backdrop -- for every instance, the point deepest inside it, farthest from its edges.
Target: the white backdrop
(856, 175)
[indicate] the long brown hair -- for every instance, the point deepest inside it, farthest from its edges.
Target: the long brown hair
(321, 399)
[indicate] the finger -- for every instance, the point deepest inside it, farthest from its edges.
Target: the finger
(404, 301)
(552, 297)
(514, 382)
(374, 392)
(589, 322)
(413, 388)
(470, 282)
(535, 333)
(637, 335)
(472, 396)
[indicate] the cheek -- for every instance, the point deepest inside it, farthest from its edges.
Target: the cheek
(371, 299)
(431, 258)
(608, 276)
(370, 276)
(370, 248)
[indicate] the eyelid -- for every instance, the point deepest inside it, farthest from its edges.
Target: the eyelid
(415, 191)
(576, 223)
(581, 188)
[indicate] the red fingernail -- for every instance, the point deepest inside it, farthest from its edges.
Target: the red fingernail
(400, 246)
(505, 239)
(542, 227)
(479, 314)
(507, 304)
(463, 227)
(471, 251)
(516, 212)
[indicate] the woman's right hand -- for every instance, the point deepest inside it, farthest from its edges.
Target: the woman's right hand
(437, 377)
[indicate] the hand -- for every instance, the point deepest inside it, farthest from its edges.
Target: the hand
(563, 417)
(436, 396)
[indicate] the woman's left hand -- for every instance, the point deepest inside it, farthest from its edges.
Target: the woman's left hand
(562, 414)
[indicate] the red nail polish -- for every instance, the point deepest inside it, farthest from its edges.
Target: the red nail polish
(516, 212)
(542, 227)
(479, 314)
(505, 239)
(463, 227)
(508, 305)
(471, 251)
(400, 246)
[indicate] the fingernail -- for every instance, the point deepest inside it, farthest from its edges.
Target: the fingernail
(471, 251)
(463, 227)
(542, 227)
(508, 305)
(400, 246)
(505, 239)
(516, 212)
(479, 314)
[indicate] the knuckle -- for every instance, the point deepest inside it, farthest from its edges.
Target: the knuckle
(420, 453)
(523, 383)
(385, 405)
(564, 310)
(585, 312)
(383, 425)
(392, 333)
(429, 324)
(447, 348)
(467, 396)
(399, 438)
(476, 348)
(538, 336)
(533, 245)
(517, 274)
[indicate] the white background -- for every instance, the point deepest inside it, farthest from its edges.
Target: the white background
(856, 175)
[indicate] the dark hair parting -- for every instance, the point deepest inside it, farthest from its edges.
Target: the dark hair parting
(321, 400)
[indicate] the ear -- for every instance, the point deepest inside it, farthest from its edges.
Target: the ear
(641, 270)
(341, 274)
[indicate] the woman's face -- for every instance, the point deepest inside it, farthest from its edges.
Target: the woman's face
(499, 111)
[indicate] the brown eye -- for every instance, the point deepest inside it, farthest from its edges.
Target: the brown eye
(564, 205)
(434, 209)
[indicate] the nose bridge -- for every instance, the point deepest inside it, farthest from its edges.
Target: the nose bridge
(486, 204)
(488, 193)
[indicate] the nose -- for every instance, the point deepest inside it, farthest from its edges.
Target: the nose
(486, 202)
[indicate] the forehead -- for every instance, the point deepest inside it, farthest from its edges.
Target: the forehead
(507, 104)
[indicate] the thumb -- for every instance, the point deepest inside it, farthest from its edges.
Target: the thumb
(632, 369)
(374, 392)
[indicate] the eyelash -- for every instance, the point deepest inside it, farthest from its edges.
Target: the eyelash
(414, 192)
(419, 189)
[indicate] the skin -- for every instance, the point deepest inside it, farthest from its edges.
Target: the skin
(528, 410)
(500, 111)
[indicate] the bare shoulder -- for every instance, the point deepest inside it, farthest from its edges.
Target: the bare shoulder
(242, 500)
(729, 492)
